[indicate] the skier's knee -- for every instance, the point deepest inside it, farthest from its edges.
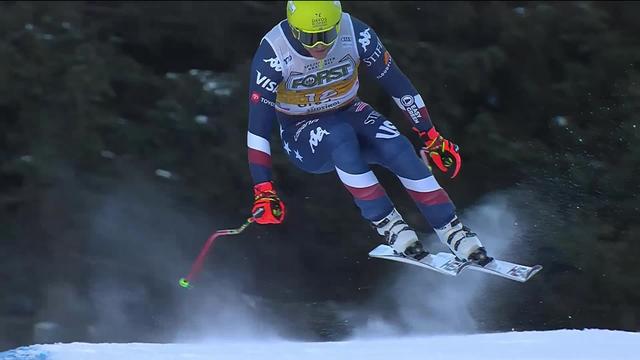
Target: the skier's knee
(398, 148)
(341, 134)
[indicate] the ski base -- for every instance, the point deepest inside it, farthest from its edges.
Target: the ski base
(446, 263)
(439, 262)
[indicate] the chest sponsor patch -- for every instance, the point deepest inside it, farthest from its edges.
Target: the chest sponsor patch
(343, 70)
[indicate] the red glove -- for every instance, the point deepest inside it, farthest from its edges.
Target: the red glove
(267, 206)
(442, 152)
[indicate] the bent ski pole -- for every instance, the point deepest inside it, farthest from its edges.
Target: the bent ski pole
(185, 282)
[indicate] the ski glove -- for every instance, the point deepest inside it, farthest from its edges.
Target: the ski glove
(441, 152)
(267, 206)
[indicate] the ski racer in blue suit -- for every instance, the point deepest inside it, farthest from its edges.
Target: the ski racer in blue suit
(304, 75)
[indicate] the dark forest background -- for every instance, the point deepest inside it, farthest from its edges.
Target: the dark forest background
(123, 146)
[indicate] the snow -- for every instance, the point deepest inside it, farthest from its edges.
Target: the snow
(231, 325)
(548, 345)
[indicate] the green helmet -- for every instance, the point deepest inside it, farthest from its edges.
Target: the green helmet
(314, 22)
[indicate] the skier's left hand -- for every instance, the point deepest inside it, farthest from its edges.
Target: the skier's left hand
(267, 206)
(443, 153)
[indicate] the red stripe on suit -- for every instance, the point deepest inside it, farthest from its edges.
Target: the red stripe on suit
(367, 193)
(430, 198)
(259, 158)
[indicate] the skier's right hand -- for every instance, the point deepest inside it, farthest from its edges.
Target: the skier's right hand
(441, 152)
(267, 206)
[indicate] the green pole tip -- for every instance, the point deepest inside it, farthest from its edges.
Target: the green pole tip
(185, 283)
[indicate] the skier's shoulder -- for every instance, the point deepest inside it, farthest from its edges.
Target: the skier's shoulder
(275, 35)
(366, 37)
(266, 64)
(269, 41)
(359, 26)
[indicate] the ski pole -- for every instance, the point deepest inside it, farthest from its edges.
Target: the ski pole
(185, 282)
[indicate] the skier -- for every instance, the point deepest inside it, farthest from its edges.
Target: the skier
(305, 74)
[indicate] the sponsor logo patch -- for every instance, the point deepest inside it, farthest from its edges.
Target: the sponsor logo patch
(304, 125)
(255, 97)
(386, 57)
(319, 20)
(365, 39)
(387, 131)
(265, 82)
(342, 71)
(274, 63)
(315, 136)
(321, 78)
(375, 56)
(268, 102)
(408, 102)
(386, 68)
(372, 117)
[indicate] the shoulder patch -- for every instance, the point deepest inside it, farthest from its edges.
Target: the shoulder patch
(365, 39)
(274, 63)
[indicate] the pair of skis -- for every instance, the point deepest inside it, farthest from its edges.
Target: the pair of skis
(446, 263)
(442, 262)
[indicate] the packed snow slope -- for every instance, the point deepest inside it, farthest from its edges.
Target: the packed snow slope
(538, 345)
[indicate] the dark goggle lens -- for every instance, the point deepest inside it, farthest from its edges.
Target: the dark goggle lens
(312, 39)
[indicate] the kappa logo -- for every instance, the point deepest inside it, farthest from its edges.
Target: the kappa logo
(387, 131)
(365, 39)
(274, 63)
(266, 83)
(315, 136)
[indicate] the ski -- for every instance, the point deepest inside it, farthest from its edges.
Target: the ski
(502, 268)
(506, 269)
(446, 263)
(440, 262)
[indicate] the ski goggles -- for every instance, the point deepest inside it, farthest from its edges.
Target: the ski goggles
(310, 40)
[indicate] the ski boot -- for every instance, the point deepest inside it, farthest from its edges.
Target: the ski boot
(400, 236)
(463, 243)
